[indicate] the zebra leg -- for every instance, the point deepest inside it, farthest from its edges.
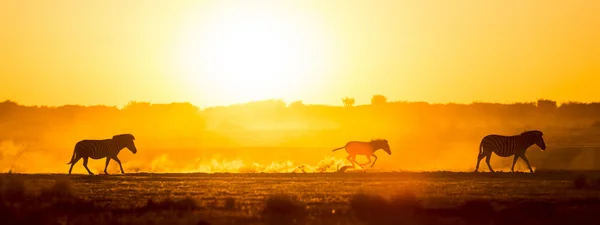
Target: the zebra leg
(119, 161)
(72, 164)
(355, 162)
(374, 161)
(367, 163)
(488, 157)
(479, 158)
(527, 161)
(85, 161)
(351, 160)
(512, 169)
(106, 166)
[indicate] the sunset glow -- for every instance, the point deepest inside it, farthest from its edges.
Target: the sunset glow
(223, 52)
(253, 53)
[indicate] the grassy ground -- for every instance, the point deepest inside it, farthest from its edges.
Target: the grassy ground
(327, 198)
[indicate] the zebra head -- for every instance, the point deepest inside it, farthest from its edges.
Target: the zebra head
(126, 140)
(536, 137)
(381, 144)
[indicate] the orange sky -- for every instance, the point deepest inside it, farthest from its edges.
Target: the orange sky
(222, 52)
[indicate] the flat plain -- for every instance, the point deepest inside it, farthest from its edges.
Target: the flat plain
(548, 197)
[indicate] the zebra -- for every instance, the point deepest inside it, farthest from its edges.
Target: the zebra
(98, 149)
(505, 146)
(365, 148)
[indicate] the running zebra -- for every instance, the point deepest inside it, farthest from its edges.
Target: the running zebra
(365, 148)
(505, 146)
(98, 149)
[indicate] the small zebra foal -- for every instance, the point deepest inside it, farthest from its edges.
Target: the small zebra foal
(367, 149)
(98, 149)
(505, 146)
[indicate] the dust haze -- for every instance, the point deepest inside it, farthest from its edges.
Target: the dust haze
(273, 136)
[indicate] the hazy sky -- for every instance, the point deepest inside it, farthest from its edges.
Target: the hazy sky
(221, 52)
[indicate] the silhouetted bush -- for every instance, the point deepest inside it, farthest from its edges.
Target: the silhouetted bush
(546, 104)
(186, 203)
(13, 188)
(282, 204)
(406, 201)
(477, 212)
(348, 102)
(297, 105)
(375, 209)
(284, 209)
(229, 203)
(61, 188)
(367, 206)
(378, 100)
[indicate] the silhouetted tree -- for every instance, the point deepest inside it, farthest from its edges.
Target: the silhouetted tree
(137, 106)
(297, 104)
(348, 102)
(545, 104)
(378, 100)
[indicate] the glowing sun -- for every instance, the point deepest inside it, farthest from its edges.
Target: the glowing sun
(252, 53)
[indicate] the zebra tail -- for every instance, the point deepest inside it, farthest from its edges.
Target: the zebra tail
(338, 149)
(481, 148)
(72, 158)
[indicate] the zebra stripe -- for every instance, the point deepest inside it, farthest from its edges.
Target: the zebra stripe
(505, 146)
(98, 149)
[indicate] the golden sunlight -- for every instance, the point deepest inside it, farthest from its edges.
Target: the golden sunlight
(240, 54)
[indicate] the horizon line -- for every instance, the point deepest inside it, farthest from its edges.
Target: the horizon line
(288, 103)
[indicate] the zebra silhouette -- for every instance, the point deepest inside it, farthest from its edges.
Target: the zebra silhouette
(505, 146)
(98, 149)
(367, 149)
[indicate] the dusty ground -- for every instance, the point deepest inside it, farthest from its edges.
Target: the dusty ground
(327, 198)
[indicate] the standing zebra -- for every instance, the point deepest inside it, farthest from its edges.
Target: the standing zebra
(365, 148)
(98, 149)
(505, 146)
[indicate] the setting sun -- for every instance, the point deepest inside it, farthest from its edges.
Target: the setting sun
(252, 53)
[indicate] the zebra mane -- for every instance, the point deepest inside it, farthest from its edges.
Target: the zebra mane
(533, 132)
(378, 140)
(128, 136)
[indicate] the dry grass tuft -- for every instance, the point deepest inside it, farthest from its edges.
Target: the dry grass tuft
(13, 188)
(62, 188)
(183, 204)
(229, 203)
(284, 209)
(283, 205)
